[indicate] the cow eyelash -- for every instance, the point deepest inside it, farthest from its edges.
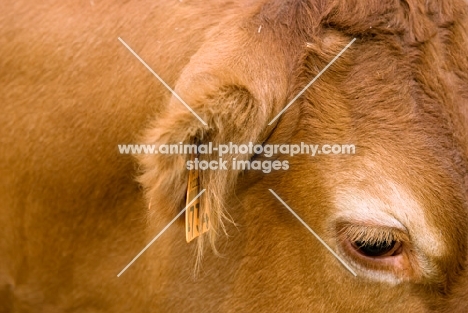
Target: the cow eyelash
(371, 235)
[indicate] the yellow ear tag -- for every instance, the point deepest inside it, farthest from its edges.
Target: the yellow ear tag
(193, 226)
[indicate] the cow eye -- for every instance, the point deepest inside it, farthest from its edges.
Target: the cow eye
(371, 243)
(377, 249)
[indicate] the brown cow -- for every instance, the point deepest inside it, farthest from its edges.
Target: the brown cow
(74, 211)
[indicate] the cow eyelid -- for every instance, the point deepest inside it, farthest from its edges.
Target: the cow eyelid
(372, 235)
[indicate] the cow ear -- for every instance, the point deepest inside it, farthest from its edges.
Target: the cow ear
(231, 97)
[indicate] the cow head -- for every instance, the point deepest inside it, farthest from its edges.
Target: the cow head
(396, 210)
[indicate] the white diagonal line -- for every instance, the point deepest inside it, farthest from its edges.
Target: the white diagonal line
(315, 234)
(311, 82)
(160, 233)
(162, 81)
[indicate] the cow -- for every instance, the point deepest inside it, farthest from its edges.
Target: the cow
(390, 220)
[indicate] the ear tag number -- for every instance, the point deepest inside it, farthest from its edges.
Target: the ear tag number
(194, 224)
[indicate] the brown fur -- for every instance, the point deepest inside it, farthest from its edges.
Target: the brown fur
(74, 212)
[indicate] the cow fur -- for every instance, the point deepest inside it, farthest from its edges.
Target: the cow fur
(74, 212)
